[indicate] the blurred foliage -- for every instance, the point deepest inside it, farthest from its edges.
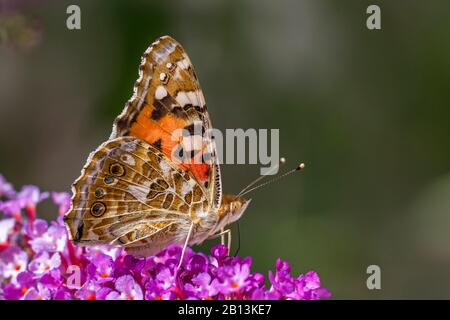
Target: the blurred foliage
(368, 111)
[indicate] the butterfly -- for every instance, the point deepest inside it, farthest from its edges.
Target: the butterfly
(151, 184)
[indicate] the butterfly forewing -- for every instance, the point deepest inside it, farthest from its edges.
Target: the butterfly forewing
(168, 99)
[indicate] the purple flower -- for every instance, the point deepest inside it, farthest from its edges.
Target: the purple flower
(201, 286)
(127, 289)
(92, 291)
(12, 208)
(13, 261)
(305, 287)
(308, 288)
(41, 292)
(30, 196)
(6, 188)
(232, 278)
(52, 279)
(135, 265)
(162, 286)
(93, 251)
(282, 282)
(6, 228)
(36, 228)
(43, 263)
(62, 294)
(52, 240)
(62, 199)
(219, 253)
(101, 268)
(17, 290)
(38, 262)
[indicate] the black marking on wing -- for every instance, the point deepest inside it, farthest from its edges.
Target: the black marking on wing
(79, 231)
(157, 144)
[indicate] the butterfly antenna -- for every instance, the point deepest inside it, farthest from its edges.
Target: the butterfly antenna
(300, 167)
(273, 169)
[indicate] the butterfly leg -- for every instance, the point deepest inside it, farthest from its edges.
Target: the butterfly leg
(229, 240)
(222, 236)
(185, 244)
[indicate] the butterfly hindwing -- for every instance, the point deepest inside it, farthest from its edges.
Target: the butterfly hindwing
(130, 194)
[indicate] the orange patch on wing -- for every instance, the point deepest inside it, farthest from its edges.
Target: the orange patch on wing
(151, 131)
(200, 171)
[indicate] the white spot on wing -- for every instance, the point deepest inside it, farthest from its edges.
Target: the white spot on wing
(182, 98)
(165, 168)
(192, 142)
(190, 97)
(202, 214)
(164, 51)
(139, 192)
(193, 97)
(187, 186)
(183, 64)
(146, 84)
(177, 74)
(128, 159)
(160, 92)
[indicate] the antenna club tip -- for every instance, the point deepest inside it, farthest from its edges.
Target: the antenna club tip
(282, 160)
(301, 166)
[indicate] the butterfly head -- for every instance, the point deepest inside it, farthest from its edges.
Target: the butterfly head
(232, 209)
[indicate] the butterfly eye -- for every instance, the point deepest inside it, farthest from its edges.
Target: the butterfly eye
(117, 170)
(99, 192)
(97, 209)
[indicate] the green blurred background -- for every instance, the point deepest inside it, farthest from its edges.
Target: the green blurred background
(368, 111)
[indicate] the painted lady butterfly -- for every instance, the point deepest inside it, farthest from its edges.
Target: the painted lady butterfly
(131, 191)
